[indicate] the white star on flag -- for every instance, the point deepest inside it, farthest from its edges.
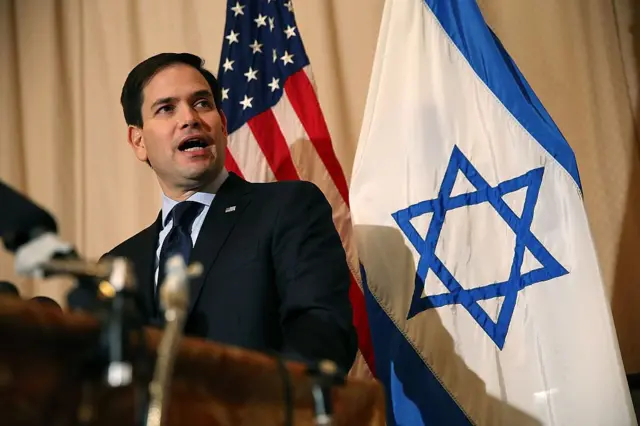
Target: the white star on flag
(287, 58)
(256, 47)
(261, 20)
(251, 74)
(232, 37)
(237, 9)
(246, 102)
(228, 65)
(290, 31)
(225, 94)
(275, 84)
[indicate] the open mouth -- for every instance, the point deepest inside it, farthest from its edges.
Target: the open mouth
(193, 144)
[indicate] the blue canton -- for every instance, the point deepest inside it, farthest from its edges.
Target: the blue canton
(426, 247)
(261, 49)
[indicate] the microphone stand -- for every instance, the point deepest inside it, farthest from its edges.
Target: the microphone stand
(326, 376)
(121, 324)
(174, 302)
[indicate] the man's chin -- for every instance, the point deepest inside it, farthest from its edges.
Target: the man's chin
(200, 173)
(201, 170)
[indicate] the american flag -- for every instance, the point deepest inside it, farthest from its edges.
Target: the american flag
(276, 128)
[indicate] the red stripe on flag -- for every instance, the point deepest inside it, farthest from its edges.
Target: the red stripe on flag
(361, 324)
(231, 165)
(305, 104)
(267, 132)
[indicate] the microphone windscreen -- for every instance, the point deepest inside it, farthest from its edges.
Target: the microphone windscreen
(9, 289)
(45, 301)
(21, 218)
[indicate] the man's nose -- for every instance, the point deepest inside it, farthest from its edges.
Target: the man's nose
(189, 118)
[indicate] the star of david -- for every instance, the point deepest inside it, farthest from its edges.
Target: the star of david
(521, 225)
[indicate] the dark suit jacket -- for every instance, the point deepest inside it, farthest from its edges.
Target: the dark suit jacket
(275, 272)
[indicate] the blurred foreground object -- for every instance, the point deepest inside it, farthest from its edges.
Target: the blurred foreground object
(43, 380)
(9, 289)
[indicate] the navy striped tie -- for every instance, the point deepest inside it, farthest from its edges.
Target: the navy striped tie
(178, 241)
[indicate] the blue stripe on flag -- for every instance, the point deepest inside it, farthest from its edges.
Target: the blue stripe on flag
(414, 396)
(463, 22)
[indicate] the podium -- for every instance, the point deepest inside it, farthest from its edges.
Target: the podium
(43, 381)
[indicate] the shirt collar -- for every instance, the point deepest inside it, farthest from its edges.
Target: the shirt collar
(205, 196)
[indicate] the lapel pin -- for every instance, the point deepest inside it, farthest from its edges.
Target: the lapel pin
(230, 209)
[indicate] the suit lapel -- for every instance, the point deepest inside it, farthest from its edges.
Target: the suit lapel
(145, 266)
(226, 207)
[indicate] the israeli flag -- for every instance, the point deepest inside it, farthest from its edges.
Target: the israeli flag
(484, 295)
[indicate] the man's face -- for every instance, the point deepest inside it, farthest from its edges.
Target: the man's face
(183, 136)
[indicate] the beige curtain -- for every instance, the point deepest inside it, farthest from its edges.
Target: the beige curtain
(62, 135)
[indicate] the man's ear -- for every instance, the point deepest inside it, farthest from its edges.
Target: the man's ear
(137, 143)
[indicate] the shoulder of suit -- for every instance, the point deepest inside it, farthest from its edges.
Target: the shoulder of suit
(131, 245)
(287, 192)
(284, 188)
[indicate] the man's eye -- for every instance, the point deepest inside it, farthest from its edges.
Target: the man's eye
(164, 109)
(203, 103)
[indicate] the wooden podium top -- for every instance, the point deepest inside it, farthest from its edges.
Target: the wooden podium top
(41, 383)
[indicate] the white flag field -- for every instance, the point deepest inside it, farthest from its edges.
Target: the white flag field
(483, 292)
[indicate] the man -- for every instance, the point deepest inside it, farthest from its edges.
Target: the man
(275, 273)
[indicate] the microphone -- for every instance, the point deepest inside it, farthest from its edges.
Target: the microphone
(9, 289)
(21, 220)
(45, 301)
(30, 232)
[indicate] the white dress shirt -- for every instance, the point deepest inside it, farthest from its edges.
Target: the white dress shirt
(205, 197)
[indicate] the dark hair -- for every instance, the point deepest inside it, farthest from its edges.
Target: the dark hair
(132, 91)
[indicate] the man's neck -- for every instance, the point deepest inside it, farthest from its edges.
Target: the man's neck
(182, 194)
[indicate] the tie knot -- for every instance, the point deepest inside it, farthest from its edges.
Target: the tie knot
(184, 213)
